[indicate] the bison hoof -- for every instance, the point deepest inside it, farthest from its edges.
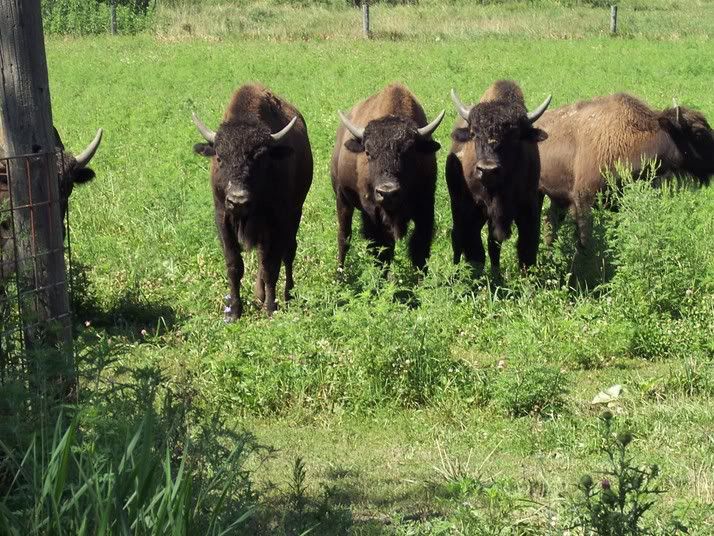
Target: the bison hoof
(231, 314)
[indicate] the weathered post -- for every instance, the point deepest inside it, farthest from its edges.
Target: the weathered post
(113, 16)
(27, 141)
(365, 19)
(613, 20)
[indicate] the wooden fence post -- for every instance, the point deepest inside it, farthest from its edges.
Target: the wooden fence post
(613, 20)
(365, 19)
(26, 129)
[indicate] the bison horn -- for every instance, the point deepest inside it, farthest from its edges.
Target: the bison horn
(463, 110)
(676, 108)
(206, 132)
(85, 156)
(279, 135)
(535, 114)
(357, 132)
(431, 127)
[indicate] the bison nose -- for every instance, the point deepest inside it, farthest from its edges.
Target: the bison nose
(237, 199)
(487, 166)
(385, 191)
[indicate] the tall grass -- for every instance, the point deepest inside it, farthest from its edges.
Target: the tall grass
(61, 485)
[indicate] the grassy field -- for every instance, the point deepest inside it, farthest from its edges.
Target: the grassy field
(432, 19)
(440, 406)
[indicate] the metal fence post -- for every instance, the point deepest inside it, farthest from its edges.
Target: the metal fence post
(365, 19)
(113, 16)
(613, 20)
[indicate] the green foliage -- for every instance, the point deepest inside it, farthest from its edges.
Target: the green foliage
(88, 17)
(618, 503)
(63, 486)
(533, 390)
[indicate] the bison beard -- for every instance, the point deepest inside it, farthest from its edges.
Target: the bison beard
(395, 221)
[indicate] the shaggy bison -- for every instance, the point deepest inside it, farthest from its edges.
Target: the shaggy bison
(492, 174)
(384, 165)
(71, 170)
(261, 171)
(589, 137)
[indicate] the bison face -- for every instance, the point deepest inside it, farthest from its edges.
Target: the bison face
(497, 130)
(391, 145)
(694, 138)
(242, 158)
(71, 172)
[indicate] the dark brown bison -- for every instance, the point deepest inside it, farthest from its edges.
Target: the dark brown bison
(492, 174)
(71, 170)
(261, 171)
(590, 137)
(384, 165)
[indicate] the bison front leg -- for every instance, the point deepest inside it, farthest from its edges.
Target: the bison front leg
(469, 225)
(494, 254)
(528, 223)
(583, 220)
(555, 217)
(344, 229)
(234, 269)
(420, 241)
(288, 260)
(380, 241)
(269, 271)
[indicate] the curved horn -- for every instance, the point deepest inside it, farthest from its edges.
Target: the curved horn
(206, 132)
(431, 127)
(463, 110)
(535, 114)
(279, 135)
(356, 131)
(676, 108)
(85, 156)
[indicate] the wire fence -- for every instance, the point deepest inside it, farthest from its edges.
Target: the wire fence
(34, 284)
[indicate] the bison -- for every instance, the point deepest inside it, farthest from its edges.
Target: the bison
(71, 170)
(492, 175)
(588, 138)
(384, 165)
(261, 171)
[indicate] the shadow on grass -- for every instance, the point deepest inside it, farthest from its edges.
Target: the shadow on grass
(129, 314)
(342, 504)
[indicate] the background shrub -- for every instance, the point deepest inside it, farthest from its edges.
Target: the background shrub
(531, 390)
(87, 17)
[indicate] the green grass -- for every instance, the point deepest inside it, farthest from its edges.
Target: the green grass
(372, 382)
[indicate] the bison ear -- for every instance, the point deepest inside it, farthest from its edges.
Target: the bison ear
(82, 175)
(536, 135)
(204, 149)
(280, 151)
(354, 146)
(427, 146)
(461, 135)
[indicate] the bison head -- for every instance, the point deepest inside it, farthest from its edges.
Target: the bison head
(694, 138)
(390, 145)
(242, 153)
(497, 129)
(73, 169)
